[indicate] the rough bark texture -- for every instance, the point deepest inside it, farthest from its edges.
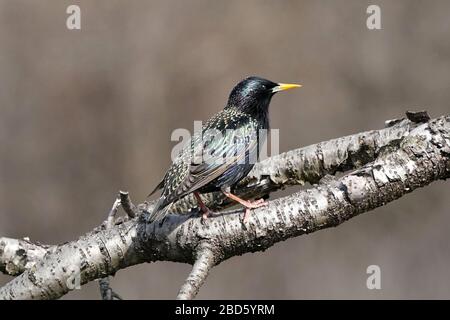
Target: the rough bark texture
(17, 255)
(380, 166)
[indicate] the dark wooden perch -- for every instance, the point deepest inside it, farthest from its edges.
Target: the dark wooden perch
(379, 166)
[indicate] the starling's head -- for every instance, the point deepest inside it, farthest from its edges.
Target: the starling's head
(253, 94)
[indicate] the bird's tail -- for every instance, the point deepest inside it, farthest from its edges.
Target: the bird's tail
(159, 211)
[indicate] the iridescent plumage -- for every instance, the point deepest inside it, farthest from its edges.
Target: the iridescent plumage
(225, 150)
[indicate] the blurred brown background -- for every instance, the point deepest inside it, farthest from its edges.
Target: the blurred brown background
(86, 113)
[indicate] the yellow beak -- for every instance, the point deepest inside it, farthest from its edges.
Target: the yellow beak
(285, 86)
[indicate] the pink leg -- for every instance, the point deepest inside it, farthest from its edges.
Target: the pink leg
(203, 207)
(247, 204)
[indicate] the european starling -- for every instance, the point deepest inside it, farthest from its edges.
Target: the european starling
(225, 150)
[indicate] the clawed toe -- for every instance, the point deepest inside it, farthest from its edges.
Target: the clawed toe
(257, 204)
(205, 216)
(246, 215)
(253, 205)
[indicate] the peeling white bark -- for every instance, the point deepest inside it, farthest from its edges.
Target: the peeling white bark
(17, 255)
(386, 164)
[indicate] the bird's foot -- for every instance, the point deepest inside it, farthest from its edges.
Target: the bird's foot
(246, 203)
(256, 204)
(203, 208)
(206, 213)
(252, 205)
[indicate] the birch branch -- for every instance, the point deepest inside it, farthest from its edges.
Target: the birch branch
(386, 164)
(204, 261)
(17, 255)
(106, 292)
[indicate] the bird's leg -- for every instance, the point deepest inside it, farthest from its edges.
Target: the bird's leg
(247, 204)
(203, 207)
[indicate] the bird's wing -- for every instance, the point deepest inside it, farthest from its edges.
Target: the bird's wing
(210, 158)
(159, 186)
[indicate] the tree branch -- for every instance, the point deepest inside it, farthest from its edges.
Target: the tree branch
(106, 291)
(386, 164)
(128, 206)
(17, 255)
(204, 262)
